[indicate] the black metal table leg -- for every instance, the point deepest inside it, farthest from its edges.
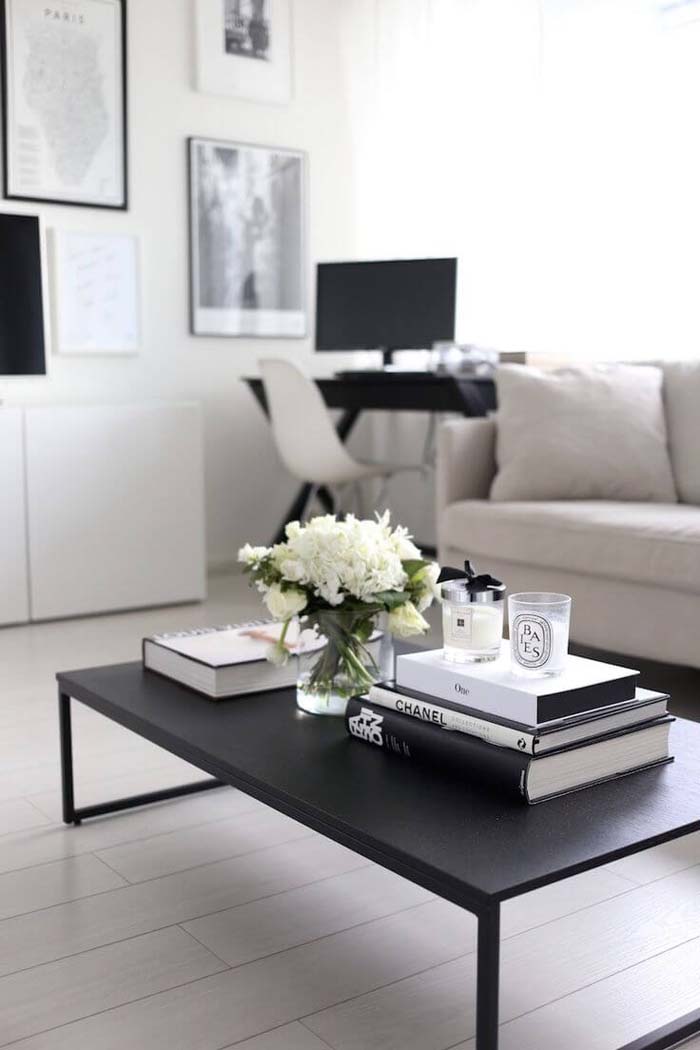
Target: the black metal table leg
(668, 1036)
(487, 994)
(66, 732)
(488, 977)
(73, 815)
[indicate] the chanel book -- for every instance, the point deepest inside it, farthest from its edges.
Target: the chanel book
(529, 777)
(455, 716)
(493, 689)
(227, 661)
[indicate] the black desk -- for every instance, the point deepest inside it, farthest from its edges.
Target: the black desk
(386, 393)
(466, 845)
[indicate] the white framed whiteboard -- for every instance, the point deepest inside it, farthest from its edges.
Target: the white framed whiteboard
(97, 298)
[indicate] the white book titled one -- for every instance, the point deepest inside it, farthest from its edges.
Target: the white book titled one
(584, 685)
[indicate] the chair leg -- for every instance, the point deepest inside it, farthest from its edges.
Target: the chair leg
(340, 499)
(429, 445)
(313, 492)
(359, 493)
(383, 493)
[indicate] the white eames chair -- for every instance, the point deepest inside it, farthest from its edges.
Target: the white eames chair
(307, 441)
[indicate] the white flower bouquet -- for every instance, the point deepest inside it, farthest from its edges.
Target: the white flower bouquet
(340, 577)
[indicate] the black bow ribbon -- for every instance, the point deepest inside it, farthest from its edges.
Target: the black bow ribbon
(483, 582)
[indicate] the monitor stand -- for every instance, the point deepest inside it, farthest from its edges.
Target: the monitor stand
(387, 368)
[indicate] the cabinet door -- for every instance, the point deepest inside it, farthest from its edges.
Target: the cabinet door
(115, 507)
(14, 584)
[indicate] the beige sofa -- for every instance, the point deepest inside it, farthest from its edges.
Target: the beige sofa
(633, 569)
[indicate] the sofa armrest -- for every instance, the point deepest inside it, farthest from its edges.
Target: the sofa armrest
(466, 461)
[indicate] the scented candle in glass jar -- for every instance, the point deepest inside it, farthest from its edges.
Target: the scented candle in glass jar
(472, 616)
(539, 632)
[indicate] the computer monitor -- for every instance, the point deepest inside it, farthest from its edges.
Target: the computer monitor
(22, 351)
(404, 304)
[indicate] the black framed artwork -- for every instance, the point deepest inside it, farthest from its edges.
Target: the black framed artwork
(64, 111)
(22, 342)
(247, 240)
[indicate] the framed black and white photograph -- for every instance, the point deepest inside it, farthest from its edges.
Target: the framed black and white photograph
(64, 101)
(244, 49)
(247, 239)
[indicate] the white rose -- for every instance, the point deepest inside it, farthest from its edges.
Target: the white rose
(404, 545)
(430, 588)
(278, 553)
(252, 555)
(292, 569)
(284, 604)
(406, 620)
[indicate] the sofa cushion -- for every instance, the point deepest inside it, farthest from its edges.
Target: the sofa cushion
(682, 396)
(597, 432)
(641, 542)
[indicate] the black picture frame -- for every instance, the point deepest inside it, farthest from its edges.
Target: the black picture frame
(23, 309)
(123, 205)
(193, 234)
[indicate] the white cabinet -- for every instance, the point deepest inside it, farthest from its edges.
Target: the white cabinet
(14, 580)
(114, 509)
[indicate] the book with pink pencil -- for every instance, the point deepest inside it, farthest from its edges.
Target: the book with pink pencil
(227, 661)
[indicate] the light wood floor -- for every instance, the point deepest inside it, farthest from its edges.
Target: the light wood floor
(212, 921)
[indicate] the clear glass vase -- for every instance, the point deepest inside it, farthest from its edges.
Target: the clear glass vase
(357, 651)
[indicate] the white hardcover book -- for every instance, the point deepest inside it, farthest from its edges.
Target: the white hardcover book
(647, 706)
(457, 721)
(494, 689)
(230, 660)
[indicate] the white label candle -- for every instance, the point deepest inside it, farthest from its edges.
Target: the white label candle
(472, 614)
(473, 631)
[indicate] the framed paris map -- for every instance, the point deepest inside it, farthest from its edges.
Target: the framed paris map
(65, 101)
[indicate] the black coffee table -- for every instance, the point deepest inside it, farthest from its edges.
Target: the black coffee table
(469, 846)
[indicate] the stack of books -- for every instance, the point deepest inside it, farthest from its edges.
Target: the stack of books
(535, 738)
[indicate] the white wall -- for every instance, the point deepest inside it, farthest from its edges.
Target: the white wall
(551, 145)
(247, 489)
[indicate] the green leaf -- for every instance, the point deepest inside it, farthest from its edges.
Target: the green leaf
(412, 566)
(392, 599)
(364, 629)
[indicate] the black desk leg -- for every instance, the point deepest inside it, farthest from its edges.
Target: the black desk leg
(66, 733)
(345, 424)
(488, 978)
(71, 815)
(295, 512)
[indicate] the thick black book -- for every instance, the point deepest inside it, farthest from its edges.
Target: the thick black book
(531, 777)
